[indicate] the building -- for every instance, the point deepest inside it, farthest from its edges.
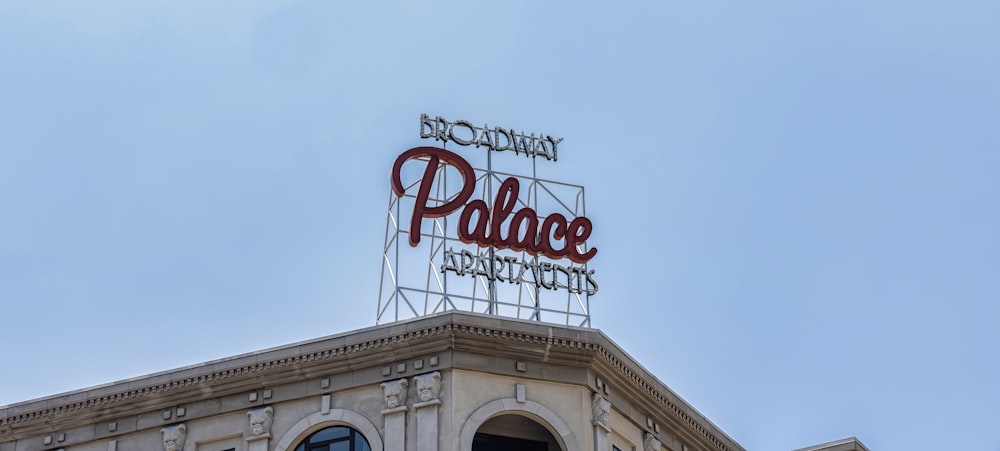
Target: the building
(451, 381)
(440, 380)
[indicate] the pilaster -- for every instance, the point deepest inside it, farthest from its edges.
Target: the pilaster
(427, 425)
(395, 428)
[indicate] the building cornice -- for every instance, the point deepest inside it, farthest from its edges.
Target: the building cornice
(367, 349)
(221, 377)
(655, 397)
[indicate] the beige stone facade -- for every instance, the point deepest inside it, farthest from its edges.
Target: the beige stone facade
(428, 384)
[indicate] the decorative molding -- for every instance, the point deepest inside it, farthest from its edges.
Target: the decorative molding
(536, 411)
(433, 402)
(428, 386)
(174, 437)
(662, 399)
(217, 376)
(260, 421)
(539, 339)
(602, 409)
(395, 393)
(335, 417)
(650, 443)
(394, 410)
(324, 404)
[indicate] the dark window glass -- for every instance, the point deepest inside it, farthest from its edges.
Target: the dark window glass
(330, 434)
(336, 438)
(486, 442)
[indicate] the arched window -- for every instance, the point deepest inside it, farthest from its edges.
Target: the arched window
(512, 432)
(336, 438)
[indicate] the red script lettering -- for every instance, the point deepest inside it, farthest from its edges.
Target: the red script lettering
(555, 238)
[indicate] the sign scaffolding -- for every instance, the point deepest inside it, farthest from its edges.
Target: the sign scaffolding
(495, 256)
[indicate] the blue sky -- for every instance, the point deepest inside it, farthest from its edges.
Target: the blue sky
(795, 202)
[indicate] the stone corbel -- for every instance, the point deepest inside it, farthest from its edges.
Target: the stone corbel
(428, 389)
(650, 443)
(602, 410)
(174, 437)
(260, 423)
(395, 394)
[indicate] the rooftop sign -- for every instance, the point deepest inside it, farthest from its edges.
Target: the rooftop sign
(490, 242)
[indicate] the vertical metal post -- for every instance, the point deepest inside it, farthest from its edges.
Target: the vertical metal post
(399, 202)
(538, 289)
(492, 291)
(444, 236)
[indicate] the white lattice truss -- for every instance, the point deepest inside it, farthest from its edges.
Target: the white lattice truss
(413, 284)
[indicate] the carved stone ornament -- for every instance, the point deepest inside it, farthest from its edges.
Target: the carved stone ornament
(260, 421)
(395, 393)
(428, 386)
(602, 409)
(174, 437)
(650, 443)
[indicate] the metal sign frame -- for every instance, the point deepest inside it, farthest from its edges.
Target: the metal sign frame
(419, 281)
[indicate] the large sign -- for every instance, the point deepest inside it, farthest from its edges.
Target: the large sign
(490, 228)
(495, 227)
